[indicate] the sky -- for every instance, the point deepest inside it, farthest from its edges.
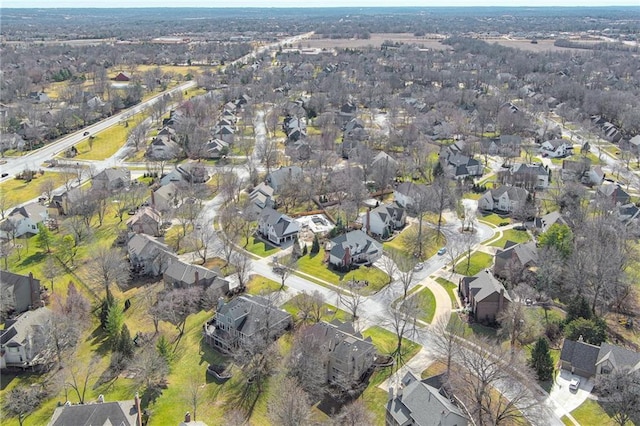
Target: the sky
(305, 3)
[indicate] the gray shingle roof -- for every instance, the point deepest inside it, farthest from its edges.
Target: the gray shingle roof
(282, 224)
(357, 241)
(581, 355)
(620, 357)
(484, 284)
(119, 413)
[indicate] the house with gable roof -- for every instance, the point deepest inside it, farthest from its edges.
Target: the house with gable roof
(529, 176)
(19, 341)
(460, 166)
(278, 178)
(147, 255)
(384, 219)
(556, 148)
(277, 227)
(179, 274)
(99, 413)
(23, 220)
(19, 293)
(484, 295)
(505, 199)
(261, 197)
(520, 256)
(587, 360)
(147, 220)
(353, 248)
(612, 193)
(111, 179)
(406, 194)
(165, 198)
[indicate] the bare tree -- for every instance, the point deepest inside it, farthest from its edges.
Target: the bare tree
(307, 362)
(138, 134)
(389, 265)
(176, 305)
(194, 393)
(107, 267)
(46, 188)
(351, 297)
(310, 306)
(406, 270)
(401, 319)
(620, 391)
(242, 265)
(289, 404)
(514, 324)
(200, 241)
(354, 414)
(20, 402)
(151, 369)
(81, 374)
(446, 333)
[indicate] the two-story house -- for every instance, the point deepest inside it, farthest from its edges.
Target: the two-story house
(147, 255)
(384, 219)
(556, 148)
(515, 257)
(147, 220)
(23, 221)
(529, 176)
(406, 194)
(353, 248)
(111, 179)
(277, 227)
(19, 293)
(484, 295)
(504, 199)
(179, 274)
(20, 341)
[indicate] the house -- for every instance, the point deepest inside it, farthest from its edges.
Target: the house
(354, 133)
(615, 358)
(122, 76)
(505, 199)
(100, 413)
(347, 112)
(349, 355)
(39, 97)
(589, 360)
(419, 403)
(515, 257)
(505, 146)
(406, 194)
(299, 150)
(295, 128)
(261, 197)
(216, 148)
(543, 223)
(186, 172)
(612, 193)
(354, 247)
(280, 177)
(628, 213)
(224, 132)
(23, 221)
(556, 148)
(179, 274)
(529, 176)
(165, 198)
(243, 319)
(459, 166)
(277, 227)
(382, 160)
(11, 141)
(147, 220)
(112, 179)
(19, 293)
(384, 219)
(574, 170)
(147, 255)
(594, 177)
(20, 341)
(67, 202)
(484, 295)
(163, 148)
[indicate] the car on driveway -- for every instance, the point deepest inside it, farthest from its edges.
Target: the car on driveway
(574, 384)
(442, 251)
(418, 266)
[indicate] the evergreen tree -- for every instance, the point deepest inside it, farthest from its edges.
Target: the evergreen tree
(591, 330)
(164, 349)
(106, 304)
(305, 250)
(296, 252)
(541, 360)
(125, 343)
(315, 246)
(115, 321)
(44, 239)
(578, 308)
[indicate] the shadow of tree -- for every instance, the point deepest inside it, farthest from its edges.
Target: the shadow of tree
(98, 338)
(33, 259)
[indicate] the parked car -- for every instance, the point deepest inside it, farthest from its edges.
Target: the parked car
(418, 266)
(442, 251)
(85, 134)
(5, 175)
(574, 384)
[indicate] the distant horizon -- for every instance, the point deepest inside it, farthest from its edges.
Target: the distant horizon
(313, 4)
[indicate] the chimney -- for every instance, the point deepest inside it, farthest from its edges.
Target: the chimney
(220, 303)
(138, 410)
(153, 199)
(187, 417)
(390, 394)
(34, 288)
(368, 220)
(501, 300)
(197, 277)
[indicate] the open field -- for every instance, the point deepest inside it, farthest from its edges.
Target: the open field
(375, 40)
(18, 191)
(541, 46)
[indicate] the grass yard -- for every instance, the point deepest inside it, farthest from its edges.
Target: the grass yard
(451, 289)
(592, 413)
(329, 312)
(401, 243)
(436, 367)
(472, 195)
(511, 235)
(494, 219)
(427, 304)
(260, 247)
(476, 329)
(478, 262)
(18, 191)
(258, 285)
(385, 342)
(106, 142)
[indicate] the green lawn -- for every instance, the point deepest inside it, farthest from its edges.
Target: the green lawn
(592, 413)
(436, 367)
(451, 289)
(472, 195)
(260, 248)
(474, 328)
(329, 312)
(493, 219)
(479, 261)
(427, 304)
(400, 244)
(18, 191)
(385, 342)
(258, 285)
(511, 235)
(106, 142)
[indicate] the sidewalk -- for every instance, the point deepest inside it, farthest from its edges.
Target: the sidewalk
(421, 361)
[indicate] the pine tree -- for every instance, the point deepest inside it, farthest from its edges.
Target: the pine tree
(164, 349)
(115, 321)
(296, 252)
(44, 239)
(315, 247)
(106, 304)
(578, 308)
(125, 344)
(305, 250)
(541, 360)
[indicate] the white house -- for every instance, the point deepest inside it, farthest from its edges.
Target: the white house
(23, 220)
(277, 227)
(354, 247)
(384, 219)
(506, 198)
(19, 341)
(556, 148)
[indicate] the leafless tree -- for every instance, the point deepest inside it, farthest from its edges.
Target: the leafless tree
(389, 265)
(310, 306)
(46, 187)
(515, 324)
(401, 319)
(194, 393)
(406, 267)
(107, 267)
(22, 401)
(138, 134)
(354, 414)
(351, 297)
(77, 227)
(307, 362)
(80, 375)
(242, 265)
(176, 305)
(446, 333)
(235, 417)
(620, 390)
(289, 404)
(150, 367)
(200, 241)
(286, 269)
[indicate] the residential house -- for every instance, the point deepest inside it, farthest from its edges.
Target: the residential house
(19, 293)
(216, 148)
(39, 97)
(261, 197)
(147, 220)
(20, 342)
(347, 112)
(529, 176)
(505, 146)
(628, 213)
(353, 248)
(280, 177)
(574, 170)
(299, 150)
(277, 227)
(11, 141)
(419, 403)
(165, 198)
(616, 358)
(504, 199)
(349, 355)
(515, 257)
(111, 179)
(354, 133)
(295, 128)
(186, 172)
(594, 177)
(147, 255)
(99, 413)
(543, 223)
(179, 274)
(384, 219)
(23, 221)
(122, 76)
(556, 148)
(406, 194)
(244, 319)
(224, 132)
(68, 202)
(484, 295)
(459, 166)
(163, 148)
(589, 360)
(612, 193)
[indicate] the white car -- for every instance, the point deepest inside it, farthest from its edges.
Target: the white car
(574, 384)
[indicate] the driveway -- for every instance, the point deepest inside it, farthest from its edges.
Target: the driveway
(562, 400)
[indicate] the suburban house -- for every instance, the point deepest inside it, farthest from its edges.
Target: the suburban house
(112, 179)
(612, 193)
(163, 148)
(23, 220)
(347, 112)
(147, 220)
(99, 413)
(384, 163)
(244, 319)
(122, 76)
(628, 213)
(11, 141)
(460, 166)
(581, 171)
(295, 128)
(354, 247)
(349, 355)
(19, 341)
(595, 176)
(588, 360)
(147, 255)
(261, 197)
(529, 176)
(216, 148)
(505, 199)
(278, 178)
(179, 274)
(543, 223)
(186, 172)
(505, 146)
(423, 403)
(515, 257)
(384, 219)
(277, 227)
(224, 132)
(484, 295)
(19, 293)
(407, 193)
(165, 198)
(556, 148)
(354, 133)
(68, 200)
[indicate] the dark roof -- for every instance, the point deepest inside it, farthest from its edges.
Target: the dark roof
(282, 224)
(122, 413)
(357, 241)
(253, 313)
(620, 357)
(581, 355)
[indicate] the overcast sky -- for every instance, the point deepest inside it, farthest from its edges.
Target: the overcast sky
(304, 3)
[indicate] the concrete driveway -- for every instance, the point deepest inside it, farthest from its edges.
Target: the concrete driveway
(562, 400)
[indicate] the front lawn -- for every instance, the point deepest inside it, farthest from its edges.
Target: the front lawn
(258, 285)
(478, 262)
(18, 191)
(260, 247)
(402, 244)
(592, 413)
(329, 312)
(385, 342)
(511, 235)
(451, 289)
(494, 219)
(427, 305)
(105, 143)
